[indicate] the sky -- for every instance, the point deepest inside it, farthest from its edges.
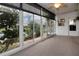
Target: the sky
(27, 17)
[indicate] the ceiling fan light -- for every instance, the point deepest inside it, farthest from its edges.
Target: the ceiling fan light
(57, 5)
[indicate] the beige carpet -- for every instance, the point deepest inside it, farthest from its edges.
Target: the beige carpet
(55, 46)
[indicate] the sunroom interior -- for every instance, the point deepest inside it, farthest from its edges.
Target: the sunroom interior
(39, 29)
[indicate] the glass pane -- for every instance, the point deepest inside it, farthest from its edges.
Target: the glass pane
(28, 27)
(50, 24)
(9, 32)
(44, 28)
(52, 27)
(37, 23)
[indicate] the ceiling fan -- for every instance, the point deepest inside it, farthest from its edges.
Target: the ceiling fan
(57, 5)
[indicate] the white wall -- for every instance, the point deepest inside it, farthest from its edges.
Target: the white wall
(64, 30)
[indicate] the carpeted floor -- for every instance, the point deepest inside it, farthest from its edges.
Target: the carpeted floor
(55, 46)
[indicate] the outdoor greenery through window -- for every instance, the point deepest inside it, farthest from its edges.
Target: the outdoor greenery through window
(9, 32)
(37, 23)
(44, 28)
(28, 26)
(31, 23)
(51, 27)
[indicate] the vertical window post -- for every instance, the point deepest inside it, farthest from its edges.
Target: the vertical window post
(41, 23)
(21, 27)
(33, 28)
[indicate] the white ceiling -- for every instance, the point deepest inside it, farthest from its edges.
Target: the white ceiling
(69, 7)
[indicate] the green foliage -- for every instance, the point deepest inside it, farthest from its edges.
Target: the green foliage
(10, 33)
(37, 29)
(29, 30)
(8, 21)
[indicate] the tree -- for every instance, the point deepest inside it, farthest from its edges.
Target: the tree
(29, 30)
(8, 21)
(36, 30)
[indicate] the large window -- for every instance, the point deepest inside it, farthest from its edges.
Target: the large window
(51, 27)
(37, 24)
(34, 27)
(44, 27)
(9, 33)
(28, 26)
(72, 25)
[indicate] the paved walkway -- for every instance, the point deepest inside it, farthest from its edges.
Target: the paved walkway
(55, 46)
